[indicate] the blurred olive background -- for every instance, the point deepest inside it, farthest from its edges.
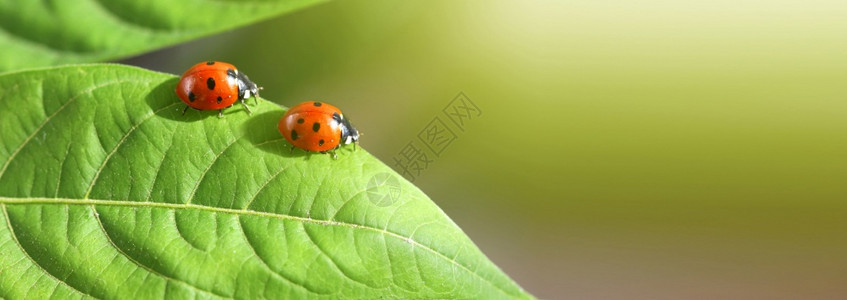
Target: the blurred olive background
(626, 149)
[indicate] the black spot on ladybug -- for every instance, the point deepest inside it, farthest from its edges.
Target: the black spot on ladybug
(210, 83)
(318, 103)
(293, 135)
(316, 126)
(220, 99)
(300, 121)
(321, 143)
(191, 96)
(209, 63)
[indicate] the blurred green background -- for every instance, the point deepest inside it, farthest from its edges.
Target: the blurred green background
(626, 149)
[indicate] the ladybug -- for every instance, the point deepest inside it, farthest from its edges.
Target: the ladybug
(317, 126)
(215, 85)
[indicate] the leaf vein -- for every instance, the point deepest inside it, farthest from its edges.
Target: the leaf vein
(174, 206)
(34, 262)
(262, 188)
(159, 168)
(332, 260)
(138, 263)
(265, 264)
(50, 117)
(203, 175)
(118, 146)
(62, 170)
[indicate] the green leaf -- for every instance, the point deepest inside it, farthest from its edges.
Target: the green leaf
(43, 33)
(107, 191)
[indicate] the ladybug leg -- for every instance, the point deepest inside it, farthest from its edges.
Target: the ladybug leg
(256, 99)
(291, 150)
(220, 113)
(185, 110)
(246, 107)
(334, 155)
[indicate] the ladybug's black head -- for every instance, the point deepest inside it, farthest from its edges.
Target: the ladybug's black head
(246, 88)
(349, 134)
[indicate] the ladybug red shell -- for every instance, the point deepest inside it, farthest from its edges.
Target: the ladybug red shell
(317, 126)
(215, 85)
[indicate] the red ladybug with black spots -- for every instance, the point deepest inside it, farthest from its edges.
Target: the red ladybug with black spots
(317, 126)
(215, 85)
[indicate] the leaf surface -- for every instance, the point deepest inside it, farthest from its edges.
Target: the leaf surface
(107, 191)
(44, 33)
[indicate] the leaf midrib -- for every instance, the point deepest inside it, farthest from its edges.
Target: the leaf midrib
(241, 212)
